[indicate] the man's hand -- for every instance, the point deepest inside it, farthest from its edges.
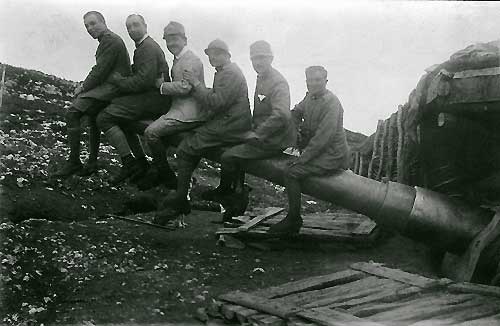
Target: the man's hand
(189, 76)
(115, 77)
(251, 138)
(158, 82)
(78, 90)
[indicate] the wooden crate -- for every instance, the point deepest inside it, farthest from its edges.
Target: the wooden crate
(366, 294)
(337, 227)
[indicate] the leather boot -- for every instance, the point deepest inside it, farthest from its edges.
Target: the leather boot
(293, 221)
(73, 165)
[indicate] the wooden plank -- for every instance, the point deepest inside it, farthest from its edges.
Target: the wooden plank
(266, 320)
(361, 165)
(390, 147)
(375, 149)
(466, 287)
(357, 297)
(474, 309)
(311, 283)
(385, 125)
(228, 311)
(356, 162)
(488, 321)
(280, 309)
(354, 288)
(465, 267)
(269, 212)
(330, 317)
(2, 85)
(296, 321)
(366, 227)
(386, 292)
(399, 275)
(400, 166)
(388, 303)
(422, 309)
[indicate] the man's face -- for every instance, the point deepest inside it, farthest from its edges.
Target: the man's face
(217, 57)
(175, 43)
(136, 28)
(261, 63)
(316, 82)
(95, 27)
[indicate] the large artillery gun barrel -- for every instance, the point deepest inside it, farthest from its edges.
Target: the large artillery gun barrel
(418, 213)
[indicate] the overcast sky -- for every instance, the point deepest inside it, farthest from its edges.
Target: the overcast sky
(375, 52)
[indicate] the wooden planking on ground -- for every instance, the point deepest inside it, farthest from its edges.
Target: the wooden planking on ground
(362, 295)
(331, 317)
(328, 295)
(399, 275)
(367, 293)
(466, 287)
(311, 283)
(390, 293)
(268, 213)
(488, 321)
(266, 320)
(272, 307)
(422, 309)
(470, 311)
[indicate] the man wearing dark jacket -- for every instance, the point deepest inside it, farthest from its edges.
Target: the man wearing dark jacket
(273, 129)
(229, 120)
(143, 102)
(95, 93)
(322, 142)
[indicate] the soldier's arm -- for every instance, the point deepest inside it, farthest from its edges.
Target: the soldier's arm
(182, 87)
(107, 53)
(280, 114)
(144, 77)
(326, 129)
(222, 94)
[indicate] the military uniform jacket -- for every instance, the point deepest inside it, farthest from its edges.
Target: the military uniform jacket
(149, 65)
(272, 120)
(111, 56)
(185, 108)
(227, 104)
(322, 137)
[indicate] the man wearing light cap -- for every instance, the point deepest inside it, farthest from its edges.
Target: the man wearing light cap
(322, 142)
(185, 113)
(272, 129)
(229, 120)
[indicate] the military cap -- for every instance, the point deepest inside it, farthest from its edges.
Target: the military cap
(319, 69)
(174, 28)
(260, 48)
(217, 44)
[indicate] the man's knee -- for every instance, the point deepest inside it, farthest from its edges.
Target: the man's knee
(294, 172)
(105, 121)
(151, 134)
(73, 117)
(228, 159)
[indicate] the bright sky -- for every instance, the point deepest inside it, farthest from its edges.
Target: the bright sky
(375, 52)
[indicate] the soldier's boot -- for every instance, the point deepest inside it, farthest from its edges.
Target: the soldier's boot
(293, 221)
(223, 189)
(158, 174)
(73, 165)
(94, 141)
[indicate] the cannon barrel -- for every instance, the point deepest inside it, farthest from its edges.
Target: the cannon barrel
(421, 214)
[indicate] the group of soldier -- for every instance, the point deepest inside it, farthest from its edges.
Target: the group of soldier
(124, 100)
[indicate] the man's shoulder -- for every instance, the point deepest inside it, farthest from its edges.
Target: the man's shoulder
(109, 36)
(191, 58)
(277, 78)
(332, 99)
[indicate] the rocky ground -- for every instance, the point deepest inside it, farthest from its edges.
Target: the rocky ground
(62, 263)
